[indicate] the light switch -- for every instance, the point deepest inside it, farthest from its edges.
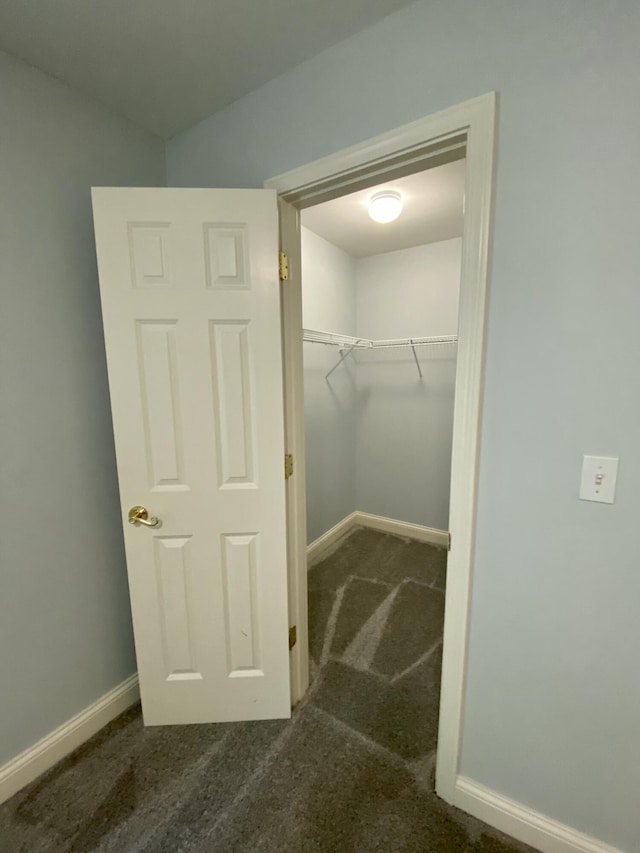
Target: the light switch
(599, 479)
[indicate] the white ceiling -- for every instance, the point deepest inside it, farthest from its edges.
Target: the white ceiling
(166, 64)
(432, 211)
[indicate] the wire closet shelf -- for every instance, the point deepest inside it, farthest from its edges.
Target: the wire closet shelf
(348, 343)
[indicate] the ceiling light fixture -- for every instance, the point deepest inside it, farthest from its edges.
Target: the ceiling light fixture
(385, 206)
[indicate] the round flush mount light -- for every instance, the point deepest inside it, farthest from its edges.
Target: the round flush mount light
(385, 206)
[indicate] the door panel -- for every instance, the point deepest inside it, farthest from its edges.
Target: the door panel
(230, 347)
(190, 297)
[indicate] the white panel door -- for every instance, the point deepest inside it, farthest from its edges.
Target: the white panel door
(191, 309)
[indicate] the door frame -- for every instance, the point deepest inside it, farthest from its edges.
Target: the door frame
(467, 129)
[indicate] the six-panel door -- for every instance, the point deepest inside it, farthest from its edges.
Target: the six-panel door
(190, 297)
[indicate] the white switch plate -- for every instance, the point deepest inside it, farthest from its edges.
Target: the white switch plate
(598, 482)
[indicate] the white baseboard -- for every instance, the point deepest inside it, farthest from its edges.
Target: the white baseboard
(27, 766)
(531, 827)
(402, 528)
(323, 543)
(317, 549)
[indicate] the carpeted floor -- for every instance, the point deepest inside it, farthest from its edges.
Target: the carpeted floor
(352, 771)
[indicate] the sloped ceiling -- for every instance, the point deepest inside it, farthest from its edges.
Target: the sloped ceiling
(166, 64)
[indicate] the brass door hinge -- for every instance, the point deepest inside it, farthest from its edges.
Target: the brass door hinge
(288, 465)
(283, 266)
(293, 636)
(448, 541)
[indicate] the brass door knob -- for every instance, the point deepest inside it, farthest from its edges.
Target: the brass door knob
(139, 515)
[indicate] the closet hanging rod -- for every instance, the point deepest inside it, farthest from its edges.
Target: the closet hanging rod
(415, 342)
(348, 344)
(333, 339)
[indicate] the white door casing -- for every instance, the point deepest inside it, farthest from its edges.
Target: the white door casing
(412, 147)
(190, 298)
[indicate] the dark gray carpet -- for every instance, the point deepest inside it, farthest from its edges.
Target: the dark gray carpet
(352, 771)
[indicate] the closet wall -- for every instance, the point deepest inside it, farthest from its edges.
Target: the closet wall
(404, 423)
(378, 437)
(328, 303)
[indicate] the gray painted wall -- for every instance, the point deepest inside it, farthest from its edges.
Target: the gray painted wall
(65, 631)
(553, 699)
(378, 438)
(328, 304)
(404, 423)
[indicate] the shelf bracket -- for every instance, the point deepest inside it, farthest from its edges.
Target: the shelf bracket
(342, 358)
(413, 349)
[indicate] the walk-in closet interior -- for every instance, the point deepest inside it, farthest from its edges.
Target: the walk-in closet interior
(380, 312)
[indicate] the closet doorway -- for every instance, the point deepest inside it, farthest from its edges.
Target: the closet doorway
(464, 131)
(380, 316)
